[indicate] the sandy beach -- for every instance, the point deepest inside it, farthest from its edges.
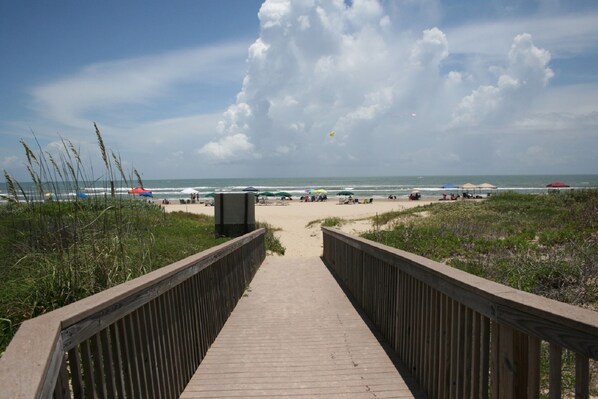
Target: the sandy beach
(293, 217)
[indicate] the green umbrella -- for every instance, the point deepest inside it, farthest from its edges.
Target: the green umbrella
(282, 194)
(344, 193)
(210, 195)
(266, 194)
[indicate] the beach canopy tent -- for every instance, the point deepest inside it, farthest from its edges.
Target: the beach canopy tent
(251, 189)
(557, 184)
(345, 192)
(189, 190)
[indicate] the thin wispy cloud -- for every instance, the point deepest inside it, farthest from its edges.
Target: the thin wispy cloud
(565, 35)
(108, 86)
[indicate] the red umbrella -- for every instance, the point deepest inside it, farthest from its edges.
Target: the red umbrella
(138, 190)
(557, 184)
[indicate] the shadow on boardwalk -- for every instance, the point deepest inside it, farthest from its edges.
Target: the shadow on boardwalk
(296, 334)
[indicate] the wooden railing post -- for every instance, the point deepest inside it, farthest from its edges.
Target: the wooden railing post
(511, 373)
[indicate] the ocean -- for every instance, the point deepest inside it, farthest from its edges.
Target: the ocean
(362, 187)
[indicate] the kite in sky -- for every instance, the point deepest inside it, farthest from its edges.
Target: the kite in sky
(332, 133)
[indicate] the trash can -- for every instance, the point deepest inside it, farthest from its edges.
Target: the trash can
(234, 214)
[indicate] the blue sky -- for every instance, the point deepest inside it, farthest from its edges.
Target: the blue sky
(242, 88)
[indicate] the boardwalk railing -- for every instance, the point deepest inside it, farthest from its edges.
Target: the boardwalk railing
(462, 336)
(141, 339)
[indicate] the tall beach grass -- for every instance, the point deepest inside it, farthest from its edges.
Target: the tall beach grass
(58, 247)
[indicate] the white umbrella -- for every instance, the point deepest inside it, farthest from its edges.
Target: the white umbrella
(468, 186)
(487, 186)
(189, 190)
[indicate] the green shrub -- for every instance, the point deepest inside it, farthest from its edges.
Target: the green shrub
(333, 222)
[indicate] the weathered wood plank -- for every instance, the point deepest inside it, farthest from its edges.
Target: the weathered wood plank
(533, 373)
(582, 377)
(76, 377)
(556, 364)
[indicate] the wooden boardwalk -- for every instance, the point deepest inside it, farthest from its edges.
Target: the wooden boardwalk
(296, 335)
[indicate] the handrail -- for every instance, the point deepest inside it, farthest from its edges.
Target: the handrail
(461, 335)
(143, 338)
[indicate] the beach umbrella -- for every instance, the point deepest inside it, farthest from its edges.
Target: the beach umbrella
(266, 194)
(557, 184)
(250, 188)
(310, 190)
(189, 190)
(81, 194)
(487, 186)
(146, 194)
(282, 194)
(210, 195)
(321, 191)
(345, 192)
(468, 186)
(137, 190)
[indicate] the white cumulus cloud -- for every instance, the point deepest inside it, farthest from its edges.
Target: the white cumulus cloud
(526, 74)
(230, 146)
(321, 65)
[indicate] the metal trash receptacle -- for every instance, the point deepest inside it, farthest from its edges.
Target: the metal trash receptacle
(234, 214)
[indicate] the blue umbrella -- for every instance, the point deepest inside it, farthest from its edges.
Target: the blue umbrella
(251, 188)
(82, 195)
(146, 194)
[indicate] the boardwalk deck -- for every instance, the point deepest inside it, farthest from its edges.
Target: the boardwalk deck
(296, 335)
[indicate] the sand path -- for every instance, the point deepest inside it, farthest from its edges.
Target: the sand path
(300, 240)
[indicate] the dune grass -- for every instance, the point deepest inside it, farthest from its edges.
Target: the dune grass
(52, 257)
(544, 244)
(273, 244)
(327, 222)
